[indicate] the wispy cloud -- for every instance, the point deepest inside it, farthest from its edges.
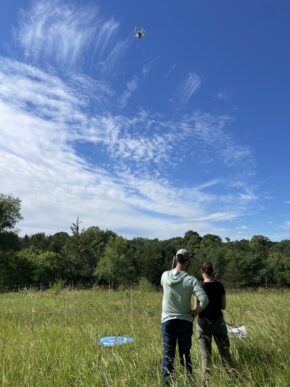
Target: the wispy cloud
(189, 87)
(107, 64)
(146, 69)
(60, 33)
(172, 68)
(248, 195)
(211, 132)
(56, 29)
(151, 138)
(105, 34)
(223, 96)
(130, 88)
(90, 90)
(47, 115)
(47, 95)
(42, 117)
(286, 225)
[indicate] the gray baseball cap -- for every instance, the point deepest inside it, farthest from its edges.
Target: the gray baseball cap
(184, 253)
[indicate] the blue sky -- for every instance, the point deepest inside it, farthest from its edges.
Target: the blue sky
(185, 129)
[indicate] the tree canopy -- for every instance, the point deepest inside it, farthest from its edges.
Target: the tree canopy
(95, 256)
(9, 212)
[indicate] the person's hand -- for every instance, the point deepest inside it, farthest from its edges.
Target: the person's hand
(194, 312)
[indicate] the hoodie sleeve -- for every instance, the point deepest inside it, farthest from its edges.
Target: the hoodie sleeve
(199, 293)
(162, 279)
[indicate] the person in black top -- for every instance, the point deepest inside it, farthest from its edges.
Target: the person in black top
(211, 322)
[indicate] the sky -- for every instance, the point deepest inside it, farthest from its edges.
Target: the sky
(184, 129)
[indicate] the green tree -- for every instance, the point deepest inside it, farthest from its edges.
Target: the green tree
(278, 270)
(192, 241)
(282, 247)
(93, 241)
(116, 265)
(58, 241)
(210, 240)
(73, 253)
(9, 241)
(82, 251)
(259, 247)
(39, 241)
(43, 264)
(9, 212)
(14, 269)
(156, 257)
(211, 249)
(235, 273)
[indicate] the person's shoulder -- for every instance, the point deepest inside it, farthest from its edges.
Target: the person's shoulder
(164, 274)
(213, 284)
(191, 278)
(220, 285)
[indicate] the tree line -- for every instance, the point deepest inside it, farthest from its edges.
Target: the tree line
(93, 256)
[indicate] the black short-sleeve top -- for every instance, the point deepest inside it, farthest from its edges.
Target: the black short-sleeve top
(214, 291)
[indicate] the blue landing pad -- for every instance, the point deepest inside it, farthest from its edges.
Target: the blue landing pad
(110, 341)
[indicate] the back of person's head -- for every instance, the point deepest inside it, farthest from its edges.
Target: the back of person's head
(182, 256)
(207, 268)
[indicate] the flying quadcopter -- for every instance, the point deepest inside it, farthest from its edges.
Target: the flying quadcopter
(139, 33)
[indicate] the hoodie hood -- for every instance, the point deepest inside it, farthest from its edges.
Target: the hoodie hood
(174, 277)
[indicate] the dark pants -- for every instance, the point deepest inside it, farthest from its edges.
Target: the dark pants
(206, 330)
(176, 331)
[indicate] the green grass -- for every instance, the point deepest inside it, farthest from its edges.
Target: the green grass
(49, 339)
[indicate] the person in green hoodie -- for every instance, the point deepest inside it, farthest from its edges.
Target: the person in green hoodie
(177, 314)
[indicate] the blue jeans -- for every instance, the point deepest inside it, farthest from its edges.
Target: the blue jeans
(173, 332)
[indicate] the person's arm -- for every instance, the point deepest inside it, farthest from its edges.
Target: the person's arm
(161, 281)
(224, 303)
(201, 299)
(197, 309)
(223, 296)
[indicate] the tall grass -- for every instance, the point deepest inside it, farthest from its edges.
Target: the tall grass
(49, 339)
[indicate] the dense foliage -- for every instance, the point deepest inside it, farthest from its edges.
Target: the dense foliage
(94, 256)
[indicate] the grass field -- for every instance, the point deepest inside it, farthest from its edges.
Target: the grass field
(49, 339)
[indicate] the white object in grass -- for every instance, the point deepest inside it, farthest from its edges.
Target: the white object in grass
(240, 332)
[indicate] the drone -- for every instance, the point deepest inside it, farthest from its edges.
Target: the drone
(139, 33)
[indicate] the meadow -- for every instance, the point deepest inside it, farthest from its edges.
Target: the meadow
(48, 338)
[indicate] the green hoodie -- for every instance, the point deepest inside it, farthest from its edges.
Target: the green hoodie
(178, 289)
